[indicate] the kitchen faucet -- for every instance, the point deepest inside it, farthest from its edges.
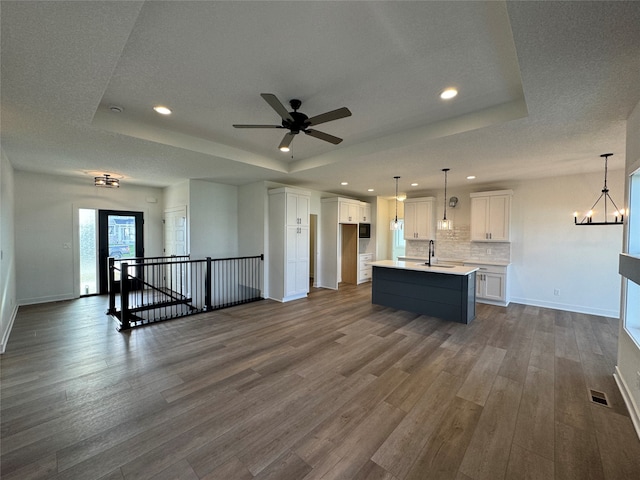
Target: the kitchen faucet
(432, 252)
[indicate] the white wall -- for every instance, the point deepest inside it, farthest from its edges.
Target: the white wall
(628, 351)
(46, 219)
(549, 252)
(176, 196)
(252, 219)
(213, 220)
(8, 302)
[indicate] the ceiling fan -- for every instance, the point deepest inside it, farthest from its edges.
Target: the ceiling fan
(297, 122)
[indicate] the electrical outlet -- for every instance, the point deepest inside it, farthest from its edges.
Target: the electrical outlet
(488, 251)
(556, 292)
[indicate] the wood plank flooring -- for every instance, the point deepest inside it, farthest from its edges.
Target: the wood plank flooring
(328, 387)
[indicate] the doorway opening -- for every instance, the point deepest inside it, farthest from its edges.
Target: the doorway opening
(120, 235)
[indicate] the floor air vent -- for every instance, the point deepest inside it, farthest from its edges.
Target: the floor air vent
(598, 397)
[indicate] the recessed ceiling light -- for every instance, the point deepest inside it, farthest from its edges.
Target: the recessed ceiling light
(162, 110)
(414, 184)
(284, 149)
(369, 189)
(471, 177)
(344, 183)
(449, 93)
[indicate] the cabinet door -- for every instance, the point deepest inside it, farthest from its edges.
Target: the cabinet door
(303, 209)
(297, 209)
(498, 221)
(348, 212)
(364, 215)
(297, 260)
(302, 264)
(479, 218)
(424, 219)
(410, 227)
(292, 209)
(494, 287)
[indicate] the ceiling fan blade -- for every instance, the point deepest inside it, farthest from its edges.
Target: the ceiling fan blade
(323, 136)
(280, 109)
(258, 126)
(329, 116)
(286, 141)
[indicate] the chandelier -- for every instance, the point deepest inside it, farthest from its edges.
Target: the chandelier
(588, 217)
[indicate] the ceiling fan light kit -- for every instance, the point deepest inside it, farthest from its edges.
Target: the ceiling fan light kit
(604, 195)
(297, 122)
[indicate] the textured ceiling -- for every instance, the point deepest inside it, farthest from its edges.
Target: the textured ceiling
(545, 88)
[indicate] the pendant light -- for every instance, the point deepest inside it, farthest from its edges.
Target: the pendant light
(445, 224)
(395, 225)
(588, 217)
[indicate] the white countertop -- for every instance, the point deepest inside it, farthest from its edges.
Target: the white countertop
(420, 267)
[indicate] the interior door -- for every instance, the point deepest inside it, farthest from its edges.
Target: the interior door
(120, 235)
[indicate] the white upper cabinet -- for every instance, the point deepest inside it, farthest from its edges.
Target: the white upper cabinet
(349, 210)
(419, 218)
(364, 212)
(297, 209)
(491, 216)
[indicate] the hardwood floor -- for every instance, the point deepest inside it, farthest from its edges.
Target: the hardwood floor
(328, 387)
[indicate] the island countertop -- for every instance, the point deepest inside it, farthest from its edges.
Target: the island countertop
(420, 267)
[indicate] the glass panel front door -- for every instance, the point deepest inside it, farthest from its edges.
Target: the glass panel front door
(120, 238)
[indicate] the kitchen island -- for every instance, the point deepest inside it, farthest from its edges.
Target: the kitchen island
(442, 291)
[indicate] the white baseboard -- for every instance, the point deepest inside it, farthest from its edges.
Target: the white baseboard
(567, 307)
(48, 299)
(7, 332)
(634, 412)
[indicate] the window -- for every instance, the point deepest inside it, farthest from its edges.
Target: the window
(88, 251)
(632, 285)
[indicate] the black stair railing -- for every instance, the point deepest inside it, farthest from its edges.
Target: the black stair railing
(162, 288)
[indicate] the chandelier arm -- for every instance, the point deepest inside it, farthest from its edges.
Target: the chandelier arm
(611, 200)
(596, 202)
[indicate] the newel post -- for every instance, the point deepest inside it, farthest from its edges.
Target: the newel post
(124, 297)
(207, 285)
(112, 293)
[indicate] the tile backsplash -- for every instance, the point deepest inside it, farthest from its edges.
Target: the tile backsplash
(456, 244)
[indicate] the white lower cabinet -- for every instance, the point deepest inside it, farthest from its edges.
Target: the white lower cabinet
(364, 270)
(491, 284)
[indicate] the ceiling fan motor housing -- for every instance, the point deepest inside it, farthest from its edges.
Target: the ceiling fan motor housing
(300, 121)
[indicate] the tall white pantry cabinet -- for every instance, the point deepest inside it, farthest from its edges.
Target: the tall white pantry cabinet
(288, 243)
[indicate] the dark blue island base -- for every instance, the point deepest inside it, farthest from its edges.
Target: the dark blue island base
(449, 297)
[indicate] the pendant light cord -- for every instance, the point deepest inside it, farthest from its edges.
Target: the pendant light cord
(445, 170)
(396, 198)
